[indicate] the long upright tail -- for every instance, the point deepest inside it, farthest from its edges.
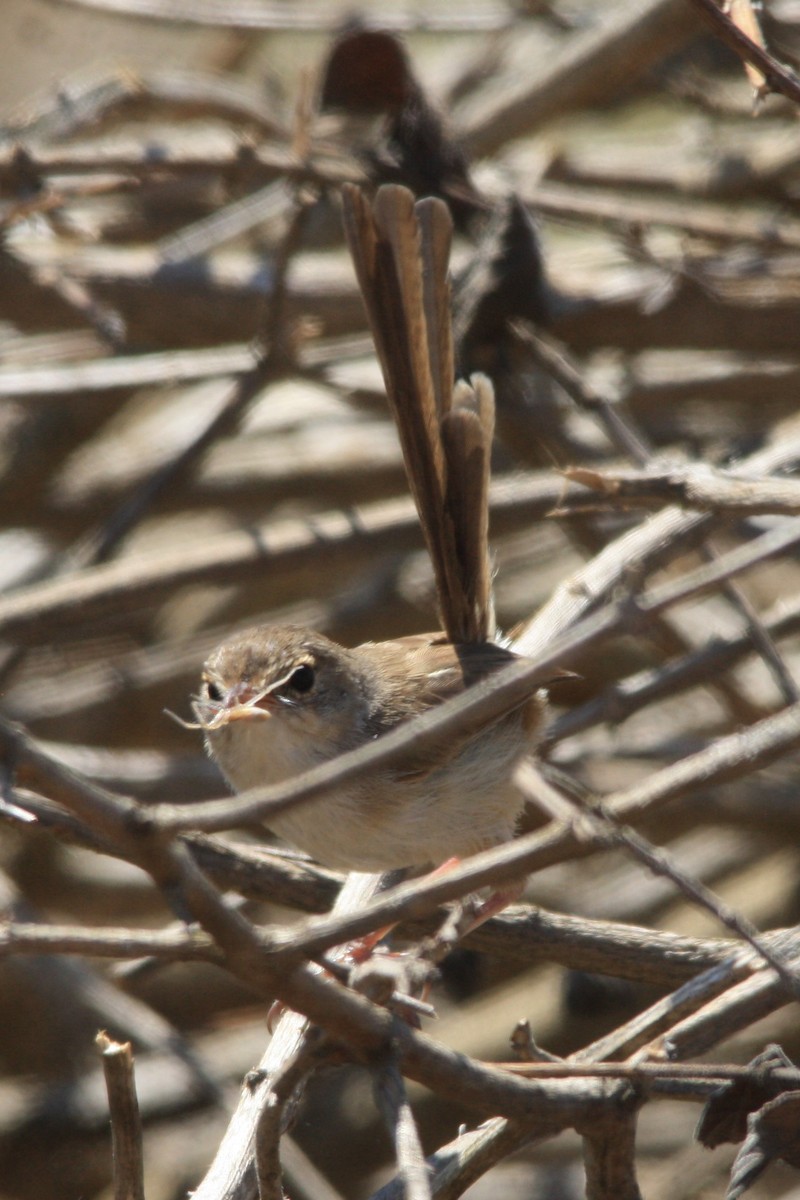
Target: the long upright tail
(401, 252)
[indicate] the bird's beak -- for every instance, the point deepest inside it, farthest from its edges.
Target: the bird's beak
(245, 703)
(243, 713)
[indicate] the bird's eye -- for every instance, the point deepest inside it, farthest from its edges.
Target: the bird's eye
(213, 691)
(302, 680)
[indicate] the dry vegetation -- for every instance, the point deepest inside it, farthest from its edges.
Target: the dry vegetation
(194, 437)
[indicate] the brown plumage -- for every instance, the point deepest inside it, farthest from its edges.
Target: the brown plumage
(278, 700)
(400, 251)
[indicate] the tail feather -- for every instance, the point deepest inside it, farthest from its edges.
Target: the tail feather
(401, 252)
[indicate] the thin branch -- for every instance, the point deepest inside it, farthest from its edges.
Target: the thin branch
(638, 550)
(314, 17)
(106, 321)
(304, 1181)
(221, 154)
(622, 209)
(608, 53)
(552, 359)
(692, 485)
(399, 1119)
(734, 1010)
(103, 592)
(126, 1125)
(530, 934)
(777, 77)
(280, 1099)
(520, 934)
(609, 1158)
(232, 1171)
(623, 432)
(596, 823)
(233, 220)
(631, 695)
(101, 94)
(473, 1154)
(455, 1166)
(274, 360)
(254, 872)
(168, 945)
(127, 371)
(647, 1073)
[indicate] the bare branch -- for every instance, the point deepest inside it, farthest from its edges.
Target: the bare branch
(609, 1156)
(777, 78)
(63, 604)
(695, 485)
(399, 1118)
(126, 1126)
(279, 1101)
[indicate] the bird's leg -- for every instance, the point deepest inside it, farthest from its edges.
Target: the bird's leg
(462, 922)
(350, 963)
(485, 909)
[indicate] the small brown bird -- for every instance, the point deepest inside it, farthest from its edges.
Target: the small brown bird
(279, 700)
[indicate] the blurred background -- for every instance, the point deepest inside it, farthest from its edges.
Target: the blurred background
(168, 201)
